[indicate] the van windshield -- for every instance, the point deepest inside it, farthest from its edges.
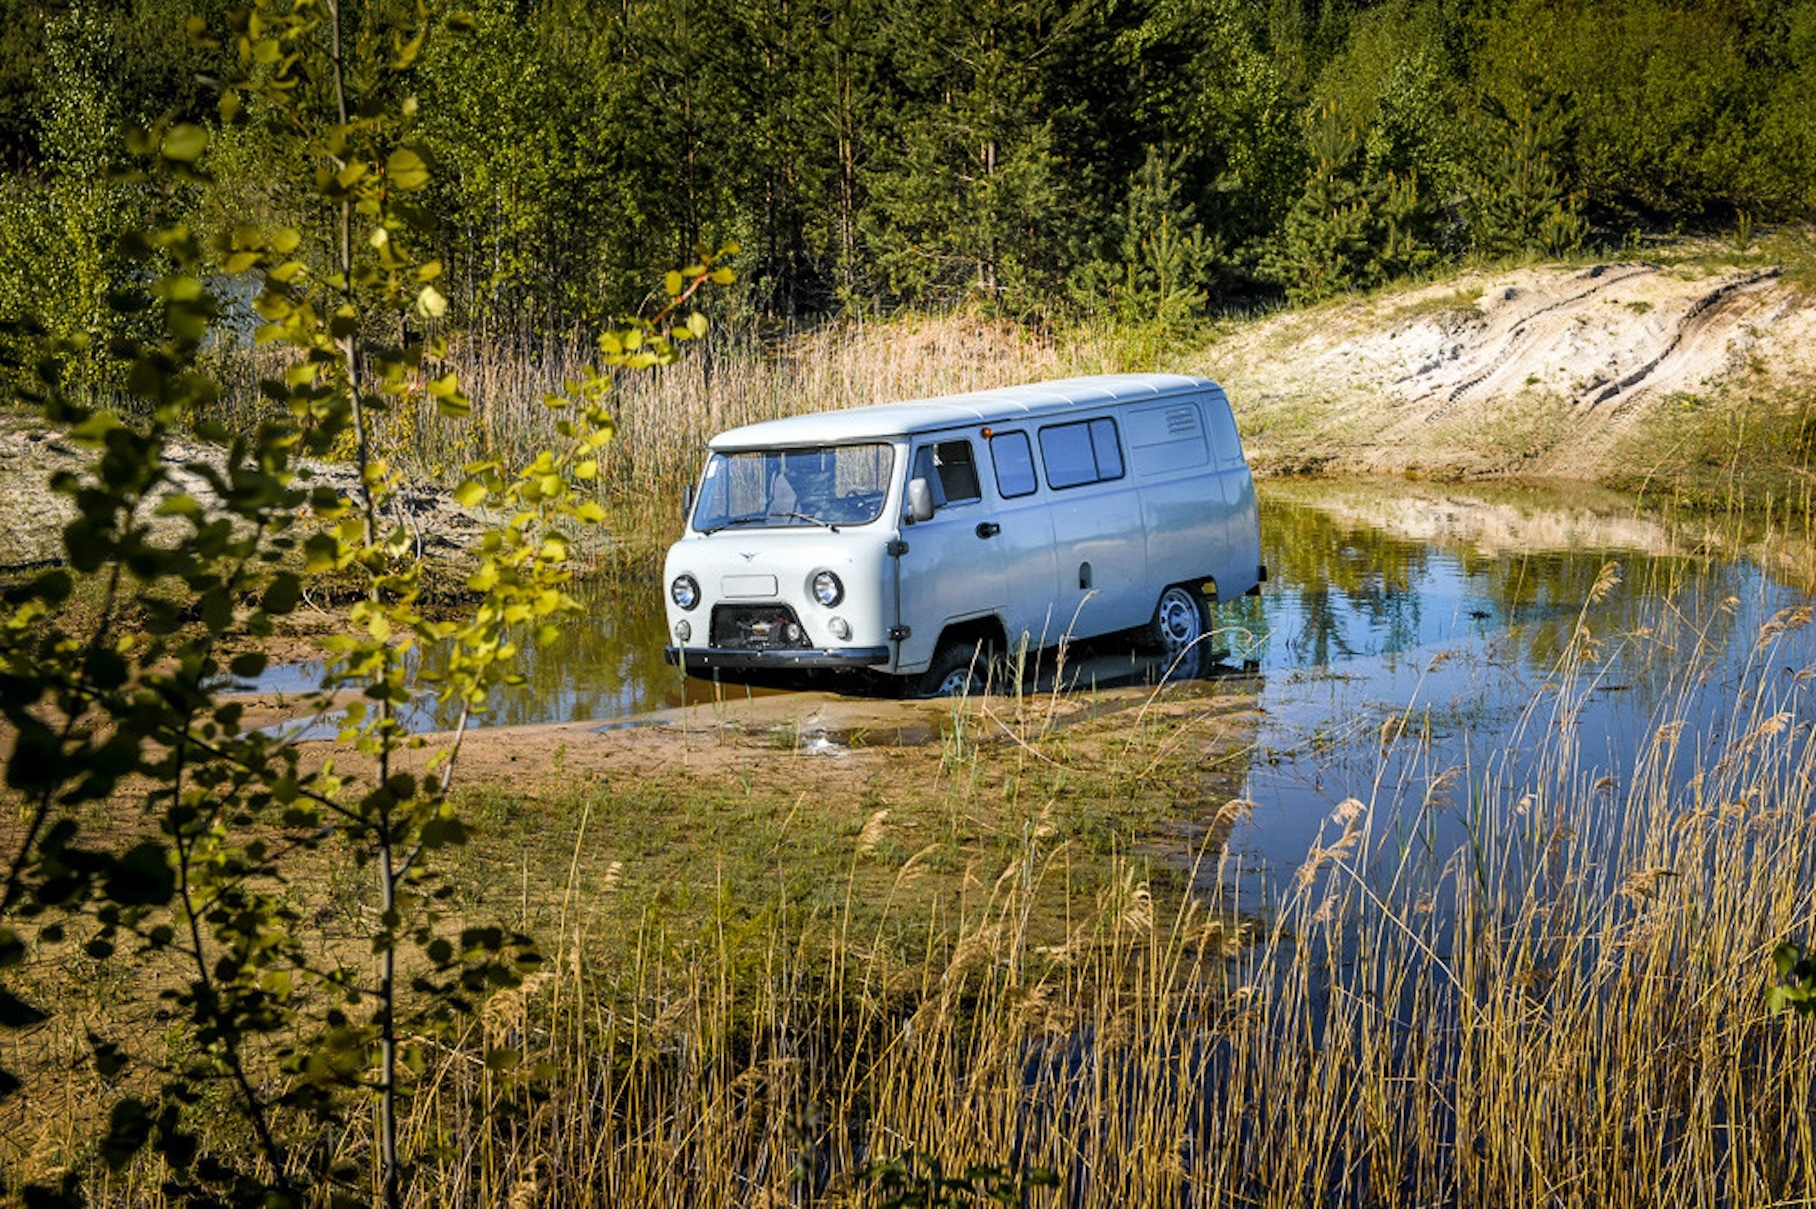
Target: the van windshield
(830, 485)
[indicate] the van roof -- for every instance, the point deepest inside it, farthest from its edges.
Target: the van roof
(1000, 406)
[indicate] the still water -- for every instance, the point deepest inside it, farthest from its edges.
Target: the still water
(1423, 642)
(1412, 639)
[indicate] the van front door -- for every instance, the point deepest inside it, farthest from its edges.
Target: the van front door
(952, 570)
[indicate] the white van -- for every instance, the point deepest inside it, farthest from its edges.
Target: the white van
(903, 538)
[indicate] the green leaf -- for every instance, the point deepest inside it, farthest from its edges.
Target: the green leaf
(217, 610)
(128, 1130)
(321, 552)
(406, 170)
(672, 282)
(470, 493)
(185, 143)
(36, 762)
(285, 590)
(248, 664)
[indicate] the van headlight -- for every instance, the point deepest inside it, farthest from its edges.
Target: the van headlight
(827, 589)
(685, 591)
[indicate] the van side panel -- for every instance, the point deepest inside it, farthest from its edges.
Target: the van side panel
(1102, 581)
(1169, 437)
(1025, 550)
(1184, 511)
(1239, 566)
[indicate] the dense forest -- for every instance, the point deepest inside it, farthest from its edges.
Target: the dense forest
(1135, 158)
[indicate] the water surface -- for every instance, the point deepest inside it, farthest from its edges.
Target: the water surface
(1412, 641)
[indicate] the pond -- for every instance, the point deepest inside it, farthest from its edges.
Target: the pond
(1419, 643)
(1412, 640)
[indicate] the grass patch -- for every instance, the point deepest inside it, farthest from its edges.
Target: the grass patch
(1753, 457)
(1454, 308)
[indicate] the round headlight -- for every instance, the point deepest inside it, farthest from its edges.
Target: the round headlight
(827, 589)
(685, 591)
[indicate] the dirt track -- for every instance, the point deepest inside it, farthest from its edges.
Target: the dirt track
(1543, 372)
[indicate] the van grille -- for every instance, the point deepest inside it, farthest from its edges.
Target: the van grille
(757, 628)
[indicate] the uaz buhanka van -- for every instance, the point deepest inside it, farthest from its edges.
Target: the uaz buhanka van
(901, 539)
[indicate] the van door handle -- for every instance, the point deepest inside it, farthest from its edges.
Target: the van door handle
(988, 529)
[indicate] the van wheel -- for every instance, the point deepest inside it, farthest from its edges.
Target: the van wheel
(1180, 621)
(956, 671)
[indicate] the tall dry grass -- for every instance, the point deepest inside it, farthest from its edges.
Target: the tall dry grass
(665, 416)
(1564, 1008)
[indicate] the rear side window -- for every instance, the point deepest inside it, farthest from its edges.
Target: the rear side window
(1014, 458)
(1080, 453)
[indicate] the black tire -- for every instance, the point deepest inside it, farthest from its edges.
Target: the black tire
(957, 670)
(1181, 621)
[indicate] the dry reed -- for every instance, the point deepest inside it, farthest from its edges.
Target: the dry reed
(1566, 1009)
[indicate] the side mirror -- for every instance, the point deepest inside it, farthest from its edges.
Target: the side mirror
(920, 500)
(687, 503)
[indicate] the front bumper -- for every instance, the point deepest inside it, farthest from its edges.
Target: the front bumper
(706, 659)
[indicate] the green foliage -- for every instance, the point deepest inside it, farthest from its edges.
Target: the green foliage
(1519, 202)
(924, 152)
(1351, 228)
(1796, 987)
(1154, 263)
(964, 187)
(920, 1181)
(154, 829)
(55, 245)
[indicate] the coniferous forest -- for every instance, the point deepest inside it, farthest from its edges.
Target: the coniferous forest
(1125, 158)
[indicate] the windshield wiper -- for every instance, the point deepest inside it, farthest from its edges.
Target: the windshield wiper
(734, 522)
(802, 516)
(739, 521)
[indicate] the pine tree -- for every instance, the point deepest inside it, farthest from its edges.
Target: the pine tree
(1153, 262)
(1520, 203)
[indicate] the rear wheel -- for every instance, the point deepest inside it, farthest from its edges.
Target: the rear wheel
(1181, 620)
(956, 671)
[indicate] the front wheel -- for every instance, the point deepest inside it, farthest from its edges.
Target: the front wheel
(1181, 620)
(956, 671)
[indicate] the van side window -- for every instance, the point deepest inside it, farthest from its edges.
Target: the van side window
(949, 469)
(1080, 453)
(1014, 458)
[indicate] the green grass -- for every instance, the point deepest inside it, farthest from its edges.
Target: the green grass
(1741, 454)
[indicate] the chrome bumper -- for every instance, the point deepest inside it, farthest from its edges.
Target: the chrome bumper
(706, 659)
